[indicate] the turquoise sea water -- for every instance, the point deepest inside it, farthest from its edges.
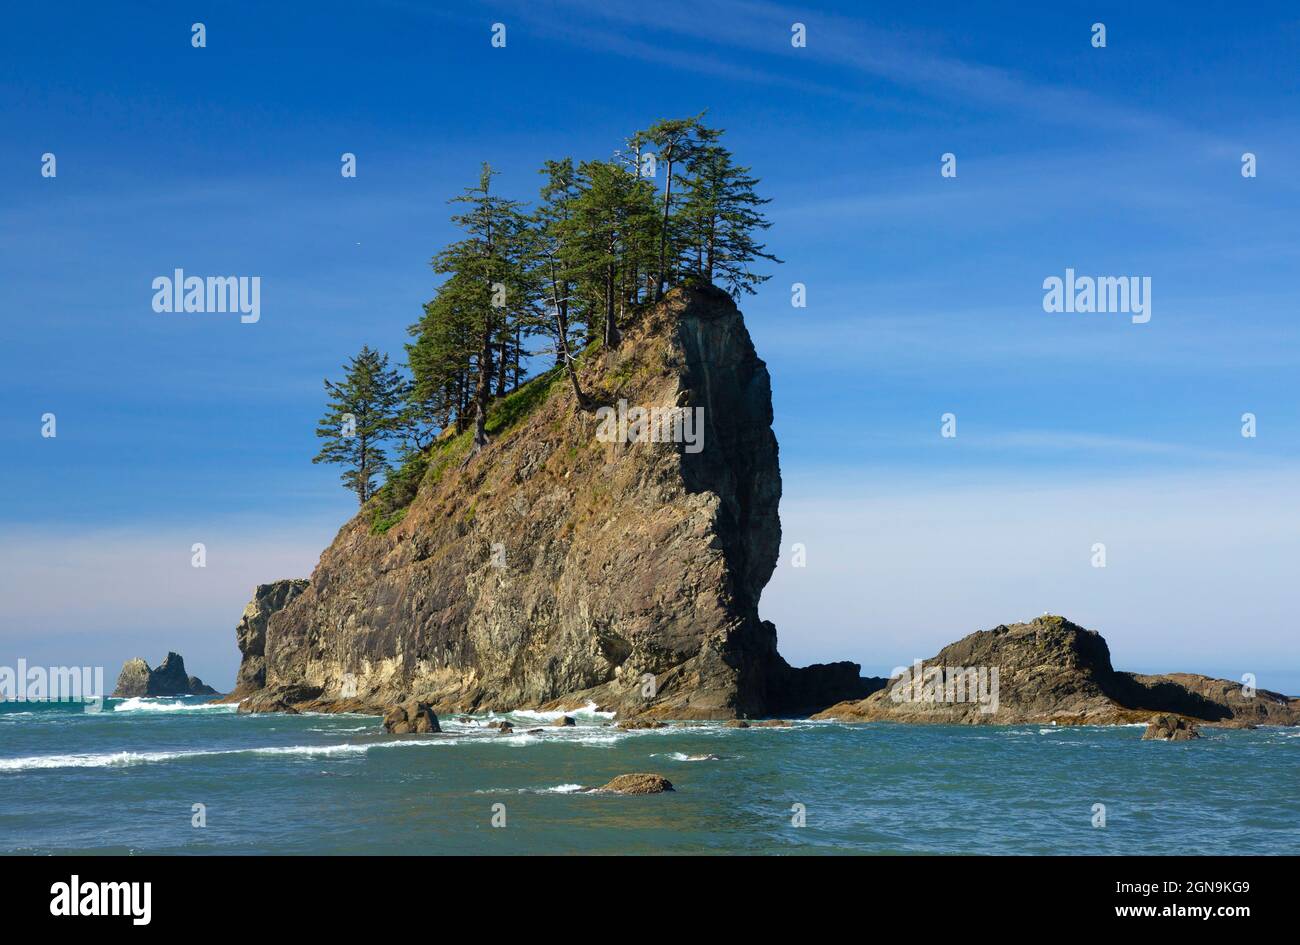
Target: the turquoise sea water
(125, 781)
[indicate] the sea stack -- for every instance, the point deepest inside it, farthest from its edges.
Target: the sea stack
(558, 567)
(169, 679)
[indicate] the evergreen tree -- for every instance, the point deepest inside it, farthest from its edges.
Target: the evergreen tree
(490, 279)
(676, 140)
(558, 279)
(442, 357)
(359, 417)
(605, 238)
(602, 240)
(721, 214)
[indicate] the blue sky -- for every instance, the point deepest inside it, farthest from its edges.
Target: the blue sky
(924, 298)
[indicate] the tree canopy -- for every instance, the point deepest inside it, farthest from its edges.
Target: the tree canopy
(606, 237)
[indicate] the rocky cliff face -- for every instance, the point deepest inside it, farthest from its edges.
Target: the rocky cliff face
(1052, 670)
(169, 679)
(250, 634)
(562, 564)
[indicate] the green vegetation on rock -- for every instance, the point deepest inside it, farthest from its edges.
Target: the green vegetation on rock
(606, 239)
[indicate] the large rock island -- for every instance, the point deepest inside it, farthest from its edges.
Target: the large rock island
(558, 567)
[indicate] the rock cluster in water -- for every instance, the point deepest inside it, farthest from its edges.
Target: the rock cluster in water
(169, 679)
(1170, 728)
(413, 717)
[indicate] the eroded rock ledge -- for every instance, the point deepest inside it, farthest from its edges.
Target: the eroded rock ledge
(1052, 671)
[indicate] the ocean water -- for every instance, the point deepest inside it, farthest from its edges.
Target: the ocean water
(125, 780)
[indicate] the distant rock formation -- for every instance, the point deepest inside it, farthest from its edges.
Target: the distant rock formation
(1053, 671)
(169, 679)
(559, 567)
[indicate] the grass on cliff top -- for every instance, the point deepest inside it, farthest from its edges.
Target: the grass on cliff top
(518, 404)
(389, 505)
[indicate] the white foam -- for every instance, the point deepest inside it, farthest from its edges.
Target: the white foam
(105, 760)
(590, 710)
(558, 789)
(147, 704)
(128, 758)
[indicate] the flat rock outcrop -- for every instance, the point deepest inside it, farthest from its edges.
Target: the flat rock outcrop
(562, 565)
(1050, 670)
(169, 679)
(280, 699)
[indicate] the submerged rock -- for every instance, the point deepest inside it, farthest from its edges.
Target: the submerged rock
(1170, 728)
(737, 723)
(169, 679)
(565, 721)
(638, 784)
(642, 723)
(773, 723)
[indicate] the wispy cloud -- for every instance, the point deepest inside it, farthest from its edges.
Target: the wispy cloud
(760, 32)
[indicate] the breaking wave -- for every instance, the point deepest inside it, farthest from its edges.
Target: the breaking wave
(125, 759)
(148, 704)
